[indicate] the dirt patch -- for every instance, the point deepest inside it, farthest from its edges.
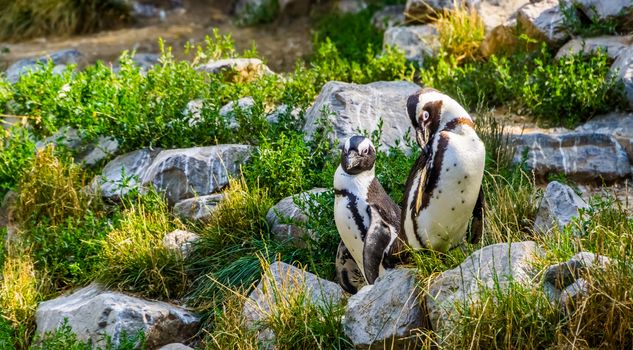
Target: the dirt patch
(281, 44)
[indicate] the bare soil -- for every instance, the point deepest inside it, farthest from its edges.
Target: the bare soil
(281, 43)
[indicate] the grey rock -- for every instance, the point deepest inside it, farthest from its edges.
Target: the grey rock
(175, 346)
(389, 16)
(617, 124)
(278, 285)
(185, 173)
(612, 46)
(145, 61)
(500, 39)
(417, 42)
(93, 313)
(60, 59)
(198, 208)
(180, 241)
(283, 111)
(353, 109)
(242, 66)
(495, 13)
(582, 157)
(622, 69)
(544, 21)
(494, 266)
(124, 173)
(561, 275)
(385, 314)
(86, 152)
(620, 11)
(228, 110)
(350, 6)
(286, 216)
(571, 296)
(559, 206)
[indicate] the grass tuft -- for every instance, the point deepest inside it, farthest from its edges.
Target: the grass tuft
(461, 32)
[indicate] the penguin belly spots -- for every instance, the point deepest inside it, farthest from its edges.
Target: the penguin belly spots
(347, 226)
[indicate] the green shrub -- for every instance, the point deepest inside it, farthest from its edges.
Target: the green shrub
(352, 39)
(63, 338)
(17, 151)
(27, 19)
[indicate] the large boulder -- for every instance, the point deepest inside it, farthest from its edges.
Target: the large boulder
(417, 42)
(617, 124)
(583, 157)
(60, 60)
(622, 68)
(559, 206)
(544, 21)
(185, 173)
(94, 314)
(280, 285)
(354, 108)
(86, 152)
(285, 217)
(612, 46)
(385, 314)
(496, 266)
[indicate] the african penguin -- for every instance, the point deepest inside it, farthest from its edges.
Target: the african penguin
(367, 219)
(347, 271)
(443, 190)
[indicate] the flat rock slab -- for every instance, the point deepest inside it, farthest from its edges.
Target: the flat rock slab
(385, 314)
(559, 206)
(494, 266)
(352, 109)
(582, 157)
(93, 313)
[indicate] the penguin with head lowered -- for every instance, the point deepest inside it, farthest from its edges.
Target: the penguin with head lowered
(367, 219)
(443, 190)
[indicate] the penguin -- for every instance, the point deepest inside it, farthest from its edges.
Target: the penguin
(367, 219)
(348, 274)
(444, 187)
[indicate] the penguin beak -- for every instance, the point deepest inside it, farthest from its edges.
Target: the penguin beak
(351, 160)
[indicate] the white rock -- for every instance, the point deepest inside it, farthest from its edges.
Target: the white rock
(349, 6)
(544, 21)
(388, 16)
(180, 241)
(494, 13)
(175, 346)
(282, 111)
(494, 266)
(612, 46)
(228, 110)
(354, 109)
(246, 66)
(124, 173)
(385, 314)
(417, 42)
(93, 313)
(620, 11)
(559, 206)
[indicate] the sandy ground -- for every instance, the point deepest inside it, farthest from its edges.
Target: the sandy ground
(281, 44)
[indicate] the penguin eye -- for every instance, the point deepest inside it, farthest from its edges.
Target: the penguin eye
(364, 152)
(425, 115)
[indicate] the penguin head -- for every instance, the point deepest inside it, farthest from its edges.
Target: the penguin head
(429, 111)
(358, 155)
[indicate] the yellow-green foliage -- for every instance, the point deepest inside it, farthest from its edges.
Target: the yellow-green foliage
(133, 256)
(29, 18)
(461, 32)
(52, 188)
(230, 330)
(20, 292)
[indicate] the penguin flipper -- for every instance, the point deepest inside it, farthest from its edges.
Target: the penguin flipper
(376, 243)
(349, 275)
(477, 225)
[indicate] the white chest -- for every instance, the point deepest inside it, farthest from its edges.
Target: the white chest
(443, 223)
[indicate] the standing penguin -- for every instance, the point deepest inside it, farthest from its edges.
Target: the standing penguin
(443, 190)
(366, 217)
